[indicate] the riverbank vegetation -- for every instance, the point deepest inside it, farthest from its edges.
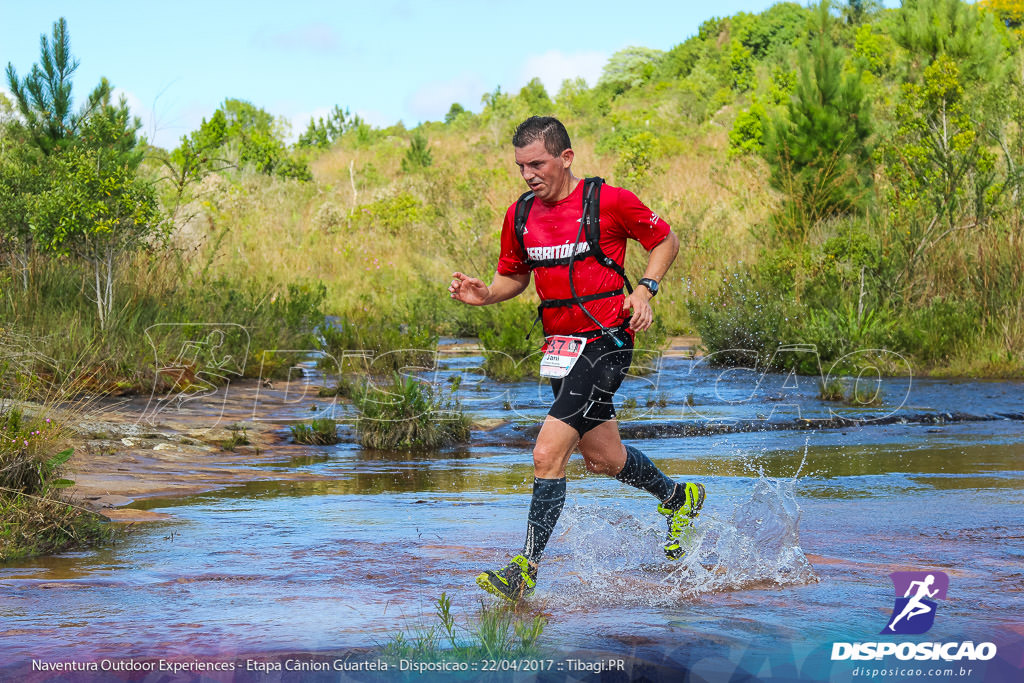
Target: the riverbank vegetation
(37, 516)
(843, 175)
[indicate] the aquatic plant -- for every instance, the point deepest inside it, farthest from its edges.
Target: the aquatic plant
(409, 414)
(320, 431)
(832, 390)
(239, 437)
(494, 632)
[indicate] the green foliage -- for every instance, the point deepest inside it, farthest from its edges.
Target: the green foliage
(778, 27)
(317, 432)
(819, 152)
(418, 155)
(453, 113)
(375, 344)
(629, 68)
(873, 49)
(99, 212)
(409, 414)
(508, 355)
(961, 31)
(323, 133)
(240, 133)
(44, 96)
(741, 66)
(495, 633)
(747, 134)
(942, 177)
(535, 97)
(394, 215)
(636, 157)
(745, 319)
(36, 516)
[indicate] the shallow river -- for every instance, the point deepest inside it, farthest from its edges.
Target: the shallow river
(801, 530)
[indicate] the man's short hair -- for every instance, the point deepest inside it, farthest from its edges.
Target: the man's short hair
(546, 128)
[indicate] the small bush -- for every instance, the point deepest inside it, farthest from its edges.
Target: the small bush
(321, 431)
(409, 414)
(831, 391)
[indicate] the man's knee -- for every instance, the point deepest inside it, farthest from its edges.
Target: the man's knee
(546, 458)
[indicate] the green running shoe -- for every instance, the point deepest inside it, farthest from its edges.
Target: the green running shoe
(516, 580)
(680, 520)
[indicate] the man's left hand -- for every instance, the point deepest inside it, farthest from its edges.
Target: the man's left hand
(639, 303)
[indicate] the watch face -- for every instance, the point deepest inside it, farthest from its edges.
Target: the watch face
(650, 284)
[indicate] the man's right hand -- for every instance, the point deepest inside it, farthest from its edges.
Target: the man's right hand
(468, 290)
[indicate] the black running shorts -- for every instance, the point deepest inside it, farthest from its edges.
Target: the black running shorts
(583, 398)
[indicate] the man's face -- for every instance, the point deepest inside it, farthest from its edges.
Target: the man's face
(548, 176)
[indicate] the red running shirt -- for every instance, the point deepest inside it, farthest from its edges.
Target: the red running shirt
(549, 226)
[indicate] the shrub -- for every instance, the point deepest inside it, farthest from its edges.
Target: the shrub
(409, 414)
(318, 432)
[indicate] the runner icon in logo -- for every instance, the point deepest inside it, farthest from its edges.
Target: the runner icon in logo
(914, 613)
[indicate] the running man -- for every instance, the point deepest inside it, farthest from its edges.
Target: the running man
(915, 606)
(573, 233)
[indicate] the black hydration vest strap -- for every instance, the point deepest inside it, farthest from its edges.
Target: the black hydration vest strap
(571, 301)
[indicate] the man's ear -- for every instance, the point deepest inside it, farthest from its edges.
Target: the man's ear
(567, 157)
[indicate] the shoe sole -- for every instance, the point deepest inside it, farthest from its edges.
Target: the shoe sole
(484, 581)
(701, 494)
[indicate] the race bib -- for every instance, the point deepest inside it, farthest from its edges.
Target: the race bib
(562, 353)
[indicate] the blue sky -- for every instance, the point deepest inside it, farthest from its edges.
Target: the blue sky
(387, 60)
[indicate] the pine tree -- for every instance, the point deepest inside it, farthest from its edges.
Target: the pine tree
(44, 98)
(418, 155)
(819, 149)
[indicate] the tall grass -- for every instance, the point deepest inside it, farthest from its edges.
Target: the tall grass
(492, 633)
(171, 328)
(36, 514)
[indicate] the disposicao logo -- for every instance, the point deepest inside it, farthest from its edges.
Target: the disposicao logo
(912, 614)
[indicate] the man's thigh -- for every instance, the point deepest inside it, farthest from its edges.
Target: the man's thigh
(584, 398)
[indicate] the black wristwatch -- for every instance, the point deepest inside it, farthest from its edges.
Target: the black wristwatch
(651, 285)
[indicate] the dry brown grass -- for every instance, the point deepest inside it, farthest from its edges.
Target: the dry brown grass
(285, 231)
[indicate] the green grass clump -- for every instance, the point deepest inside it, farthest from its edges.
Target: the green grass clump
(321, 431)
(36, 515)
(832, 390)
(409, 414)
(494, 633)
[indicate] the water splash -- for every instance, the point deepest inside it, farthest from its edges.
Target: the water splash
(616, 553)
(758, 546)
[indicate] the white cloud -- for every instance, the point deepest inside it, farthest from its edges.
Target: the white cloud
(553, 67)
(433, 100)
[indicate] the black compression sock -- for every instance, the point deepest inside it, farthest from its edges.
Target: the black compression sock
(640, 472)
(545, 507)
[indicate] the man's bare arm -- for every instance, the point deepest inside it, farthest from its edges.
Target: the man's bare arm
(473, 291)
